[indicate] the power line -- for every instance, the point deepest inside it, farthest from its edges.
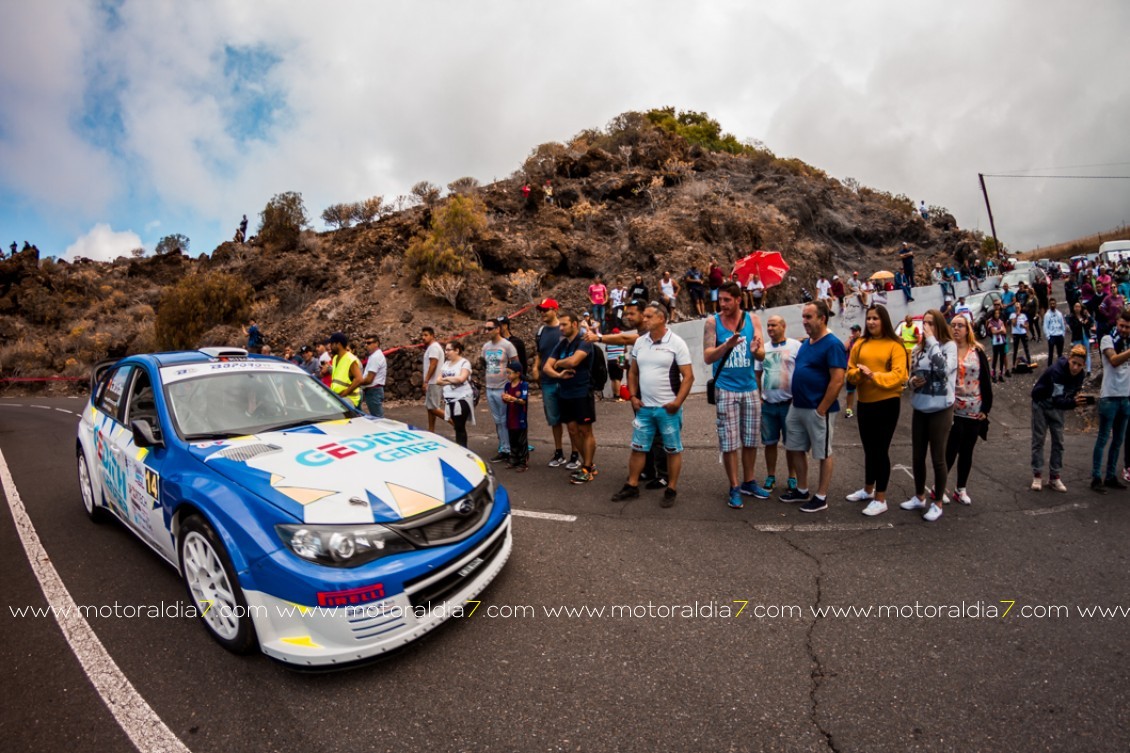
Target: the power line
(1067, 167)
(1062, 177)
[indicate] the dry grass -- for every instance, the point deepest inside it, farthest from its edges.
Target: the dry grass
(1088, 245)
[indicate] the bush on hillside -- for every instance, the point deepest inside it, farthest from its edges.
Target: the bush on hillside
(339, 216)
(448, 247)
(198, 303)
(282, 220)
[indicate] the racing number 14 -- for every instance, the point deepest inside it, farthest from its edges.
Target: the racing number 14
(152, 483)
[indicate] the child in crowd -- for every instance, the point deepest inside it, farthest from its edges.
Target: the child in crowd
(516, 395)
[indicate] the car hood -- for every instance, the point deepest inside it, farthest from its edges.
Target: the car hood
(352, 471)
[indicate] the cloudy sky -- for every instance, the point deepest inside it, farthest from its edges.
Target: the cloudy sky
(122, 122)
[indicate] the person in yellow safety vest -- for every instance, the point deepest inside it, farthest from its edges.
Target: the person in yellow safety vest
(345, 369)
(908, 332)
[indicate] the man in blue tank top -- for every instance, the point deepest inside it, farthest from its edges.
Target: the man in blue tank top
(731, 343)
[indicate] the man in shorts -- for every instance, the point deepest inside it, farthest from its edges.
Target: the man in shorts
(571, 363)
(776, 396)
(545, 342)
(732, 341)
(433, 360)
(660, 376)
(821, 364)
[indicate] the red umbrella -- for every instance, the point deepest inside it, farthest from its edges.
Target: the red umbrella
(769, 265)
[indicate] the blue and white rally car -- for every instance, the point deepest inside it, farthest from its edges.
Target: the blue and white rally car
(301, 526)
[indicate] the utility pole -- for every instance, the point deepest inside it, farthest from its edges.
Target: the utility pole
(992, 225)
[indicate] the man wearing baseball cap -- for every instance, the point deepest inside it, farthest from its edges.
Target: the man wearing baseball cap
(545, 342)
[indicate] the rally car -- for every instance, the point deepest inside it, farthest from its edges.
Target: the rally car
(300, 526)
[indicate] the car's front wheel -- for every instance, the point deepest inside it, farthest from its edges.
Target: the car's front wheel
(86, 487)
(213, 587)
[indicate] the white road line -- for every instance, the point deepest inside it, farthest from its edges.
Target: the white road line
(804, 527)
(905, 469)
(64, 410)
(137, 719)
(543, 515)
(1058, 508)
(43, 407)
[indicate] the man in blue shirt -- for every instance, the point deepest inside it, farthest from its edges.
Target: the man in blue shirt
(817, 379)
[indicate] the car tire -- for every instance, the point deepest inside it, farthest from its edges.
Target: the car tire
(94, 511)
(213, 588)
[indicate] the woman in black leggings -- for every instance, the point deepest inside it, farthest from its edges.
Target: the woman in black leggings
(973, 399)
(933, 368)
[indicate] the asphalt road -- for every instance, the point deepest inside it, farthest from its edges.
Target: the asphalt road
(776, 678)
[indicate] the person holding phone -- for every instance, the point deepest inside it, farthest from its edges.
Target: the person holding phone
(1056, 391)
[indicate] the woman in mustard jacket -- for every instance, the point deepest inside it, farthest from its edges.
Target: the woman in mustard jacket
(877, 366)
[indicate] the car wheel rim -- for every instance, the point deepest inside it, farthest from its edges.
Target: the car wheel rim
(210, 586)
(85, 487)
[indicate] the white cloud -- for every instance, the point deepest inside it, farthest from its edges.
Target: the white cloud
(103, 243)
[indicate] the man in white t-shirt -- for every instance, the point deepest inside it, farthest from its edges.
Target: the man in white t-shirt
(660, 376)
(433, 360)
(824, 290)
(373, 378)
(775, 375)
(668, 294)
(1114, 405)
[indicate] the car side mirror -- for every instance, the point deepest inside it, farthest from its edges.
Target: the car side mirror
(145, 435)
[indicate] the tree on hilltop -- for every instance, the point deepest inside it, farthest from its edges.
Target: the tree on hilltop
(172, 244)
(283, 219)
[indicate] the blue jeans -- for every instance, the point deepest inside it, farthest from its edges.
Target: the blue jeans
(498, 413)
(374, 400)
(650, 421)
(1113, 414)
(598, 312)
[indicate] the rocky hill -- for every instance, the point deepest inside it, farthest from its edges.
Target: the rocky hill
(648, 192)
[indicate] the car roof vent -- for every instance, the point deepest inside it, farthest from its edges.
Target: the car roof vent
(224, 352)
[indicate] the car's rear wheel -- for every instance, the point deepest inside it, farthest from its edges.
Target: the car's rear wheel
(213, 587)
(86, 487)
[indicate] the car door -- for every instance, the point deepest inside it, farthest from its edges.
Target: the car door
(144, 465)
(110, 466)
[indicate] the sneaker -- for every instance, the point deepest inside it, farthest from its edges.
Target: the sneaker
(816, 504)
(735, 502)
(1097, 485)
(1126, 475)
(1037, 484)
(753, 489)
(557, 460)
(770, 482)
(656, 483)
(583, 476)
(1057, 485)
(934, 495)
(794, 495)
(961, 496)
(914, 503)
(860, 495)
(933, 513)
(574, 462)
(668, 498)
(1114, 483)
(849, 413)
(500, 457)
(875, 508)
(627, 491)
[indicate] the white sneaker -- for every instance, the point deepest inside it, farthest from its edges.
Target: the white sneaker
(1057, 485)
(1036, 484)
(933, 513)
(962, 497)
(860, 496)
(875, 508)
(914, 503)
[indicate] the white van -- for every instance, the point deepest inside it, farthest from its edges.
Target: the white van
(1113, 252)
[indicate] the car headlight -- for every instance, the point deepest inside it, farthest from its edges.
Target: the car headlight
(342, 546)
(487, 470)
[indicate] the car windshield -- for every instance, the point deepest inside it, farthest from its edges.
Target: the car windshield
(214, 406)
